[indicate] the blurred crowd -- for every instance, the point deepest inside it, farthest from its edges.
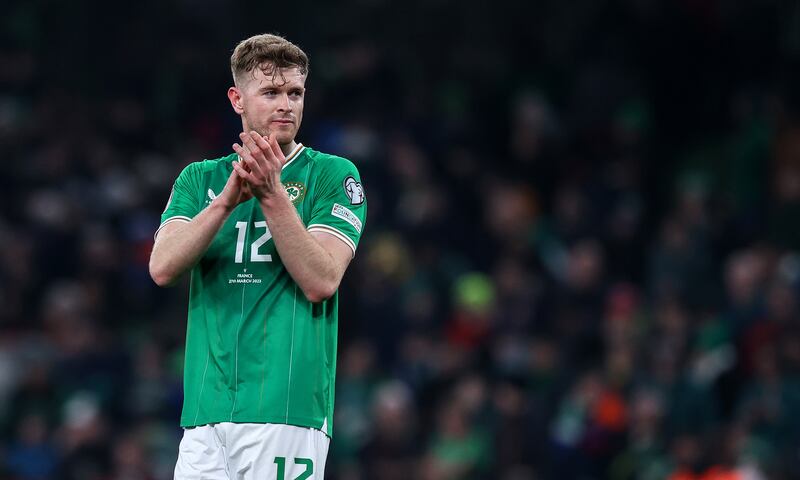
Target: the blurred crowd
(582, 257)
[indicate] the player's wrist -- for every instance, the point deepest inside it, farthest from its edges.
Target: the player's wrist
(222, 205)
(276, 199)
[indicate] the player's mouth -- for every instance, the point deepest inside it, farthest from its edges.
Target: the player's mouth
(283, 121)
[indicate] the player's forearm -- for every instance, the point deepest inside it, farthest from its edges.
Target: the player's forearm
(178, 250)
(309, 264)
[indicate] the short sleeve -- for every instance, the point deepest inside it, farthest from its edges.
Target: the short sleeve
(340, 205)
(183, 203)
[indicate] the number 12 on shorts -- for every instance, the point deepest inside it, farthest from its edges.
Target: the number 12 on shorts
(281, 462)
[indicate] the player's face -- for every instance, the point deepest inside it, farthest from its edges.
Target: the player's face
(273, 103)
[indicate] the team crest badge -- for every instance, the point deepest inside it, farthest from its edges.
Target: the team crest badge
(353, 190)
(296, 191)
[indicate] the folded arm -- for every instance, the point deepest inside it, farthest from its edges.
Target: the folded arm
(180, 244)
(316, 261)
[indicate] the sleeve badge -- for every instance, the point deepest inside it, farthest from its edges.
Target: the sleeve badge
(354, 191)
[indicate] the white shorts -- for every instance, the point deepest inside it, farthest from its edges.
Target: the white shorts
(244, 451)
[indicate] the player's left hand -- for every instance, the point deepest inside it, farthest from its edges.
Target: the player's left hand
(264, 159)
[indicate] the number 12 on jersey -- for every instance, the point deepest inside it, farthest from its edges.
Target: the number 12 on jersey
(254, 255)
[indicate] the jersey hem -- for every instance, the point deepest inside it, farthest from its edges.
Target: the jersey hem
(278, 420)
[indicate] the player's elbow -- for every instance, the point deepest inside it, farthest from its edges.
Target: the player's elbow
(320, 292)
(162, 279)
(161, 274)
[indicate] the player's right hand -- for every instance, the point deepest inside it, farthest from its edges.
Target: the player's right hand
(236, 191)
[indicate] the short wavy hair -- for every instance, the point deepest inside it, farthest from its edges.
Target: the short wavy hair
(269, 53)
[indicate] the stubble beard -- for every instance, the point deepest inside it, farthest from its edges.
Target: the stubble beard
(265, 131)
(279, 136)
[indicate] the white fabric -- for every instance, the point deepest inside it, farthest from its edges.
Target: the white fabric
(245, 451)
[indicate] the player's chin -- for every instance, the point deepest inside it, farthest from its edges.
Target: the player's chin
(284, 138)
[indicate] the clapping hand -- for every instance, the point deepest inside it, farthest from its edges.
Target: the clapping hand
(261, 164)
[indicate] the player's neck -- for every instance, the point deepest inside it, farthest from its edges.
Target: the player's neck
(288, 148)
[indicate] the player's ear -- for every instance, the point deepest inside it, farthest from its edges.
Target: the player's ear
(235, 96)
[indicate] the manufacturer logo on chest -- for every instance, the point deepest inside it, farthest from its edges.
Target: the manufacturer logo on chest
(296, 191)
(211, 196)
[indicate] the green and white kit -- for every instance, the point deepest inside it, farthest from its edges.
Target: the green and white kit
(257, 351)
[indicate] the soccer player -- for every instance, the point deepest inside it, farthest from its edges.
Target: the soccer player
(266, 234)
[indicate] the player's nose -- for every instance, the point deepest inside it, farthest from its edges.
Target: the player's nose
(283, 103)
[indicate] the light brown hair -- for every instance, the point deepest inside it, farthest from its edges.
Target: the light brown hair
(266, 52)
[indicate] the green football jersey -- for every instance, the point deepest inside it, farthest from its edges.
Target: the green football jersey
(256, 349)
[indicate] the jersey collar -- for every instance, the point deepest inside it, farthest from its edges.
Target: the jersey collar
(293, 154)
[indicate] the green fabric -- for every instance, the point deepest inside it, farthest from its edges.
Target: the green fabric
(256, 349)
